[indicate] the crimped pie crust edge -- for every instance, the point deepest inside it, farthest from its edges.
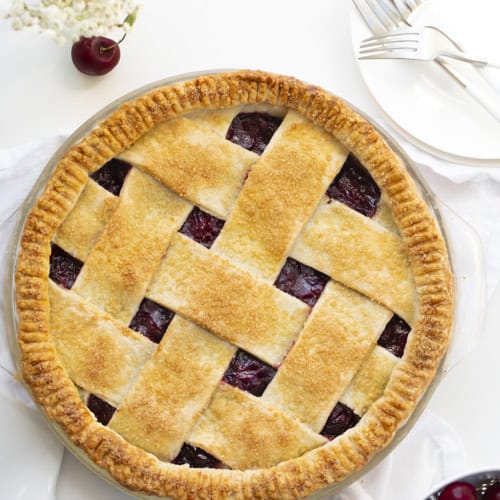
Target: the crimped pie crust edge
(139, 470)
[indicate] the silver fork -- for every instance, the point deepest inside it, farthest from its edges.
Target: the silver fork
(382, 16)
(421, 44)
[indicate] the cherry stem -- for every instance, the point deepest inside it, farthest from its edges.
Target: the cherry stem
(104, 49)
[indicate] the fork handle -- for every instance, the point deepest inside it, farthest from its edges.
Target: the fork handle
(476, 61)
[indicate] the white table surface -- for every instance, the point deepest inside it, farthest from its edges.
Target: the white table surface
(41, 93)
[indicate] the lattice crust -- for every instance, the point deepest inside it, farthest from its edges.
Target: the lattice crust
(216, 121)
(80, 229)
(193, 162)
(258, 235)
(246, 433)
(120, 266)
(227, 300)
(99, 352)
(273, 209)
(341, 329)
(360, 254)
(168, 397)
(370, 381)
(384, 215)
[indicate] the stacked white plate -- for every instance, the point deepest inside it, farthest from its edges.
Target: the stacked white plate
(424, 103)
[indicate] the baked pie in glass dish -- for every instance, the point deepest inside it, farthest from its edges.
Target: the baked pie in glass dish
(231, 287)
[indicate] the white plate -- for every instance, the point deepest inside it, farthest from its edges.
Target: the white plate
(425, 104)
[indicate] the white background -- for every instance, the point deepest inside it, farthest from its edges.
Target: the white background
(42, 93)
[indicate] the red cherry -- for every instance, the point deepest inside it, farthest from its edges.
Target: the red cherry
(95, 55)
(459, 490)
(492, 492)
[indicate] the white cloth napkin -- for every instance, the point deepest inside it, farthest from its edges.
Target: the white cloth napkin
(430, 452)
(30, 454)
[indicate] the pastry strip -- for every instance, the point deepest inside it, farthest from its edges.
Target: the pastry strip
(100, 354)
(119, 267)
(226, 300)
(172, 389)
(218, 121)
(360, 254)
(369, 383)
(245, 432)
(82, 226)
(194, 162)
(341, 330)
(281, 193)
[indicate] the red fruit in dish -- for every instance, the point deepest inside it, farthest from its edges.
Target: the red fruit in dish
(459, 490)
(492, 492)
(95, 55)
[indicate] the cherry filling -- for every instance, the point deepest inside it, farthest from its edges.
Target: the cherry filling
(103, 411)
(197, 458)
(395, 335)
(63, 267)
(151, 320)
(202, 227)
(355, 187)
(253, 131)
(111, 175)
(301, 281)
(249, 373)
(341, 419)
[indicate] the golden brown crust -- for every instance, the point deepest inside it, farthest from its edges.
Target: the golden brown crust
(370, 381)
(359, 253)
(141, 471)
(341, 330)
(80, 229)
(120, 265)
(227, 300)
(100, 353)
(201, 166)
(172, 390)
(254, 236)
(246, 433)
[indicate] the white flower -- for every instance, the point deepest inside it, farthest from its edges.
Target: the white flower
(73, 18)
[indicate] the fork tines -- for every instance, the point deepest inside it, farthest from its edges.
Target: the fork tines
(394, 35)
(388, 43)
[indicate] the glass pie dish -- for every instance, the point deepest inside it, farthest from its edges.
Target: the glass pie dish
(452, 227)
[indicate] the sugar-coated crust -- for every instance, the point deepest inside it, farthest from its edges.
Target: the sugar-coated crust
(370, 381)
(180, 149)
(331, 463)
(359, 253)
(247, 433)
(169, 386)
(345, 339)
(98, 352)
(253, 236)
(244, 311)
(78, 232)
(124, 279)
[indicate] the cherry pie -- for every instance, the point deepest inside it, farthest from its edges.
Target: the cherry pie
(231, 288)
